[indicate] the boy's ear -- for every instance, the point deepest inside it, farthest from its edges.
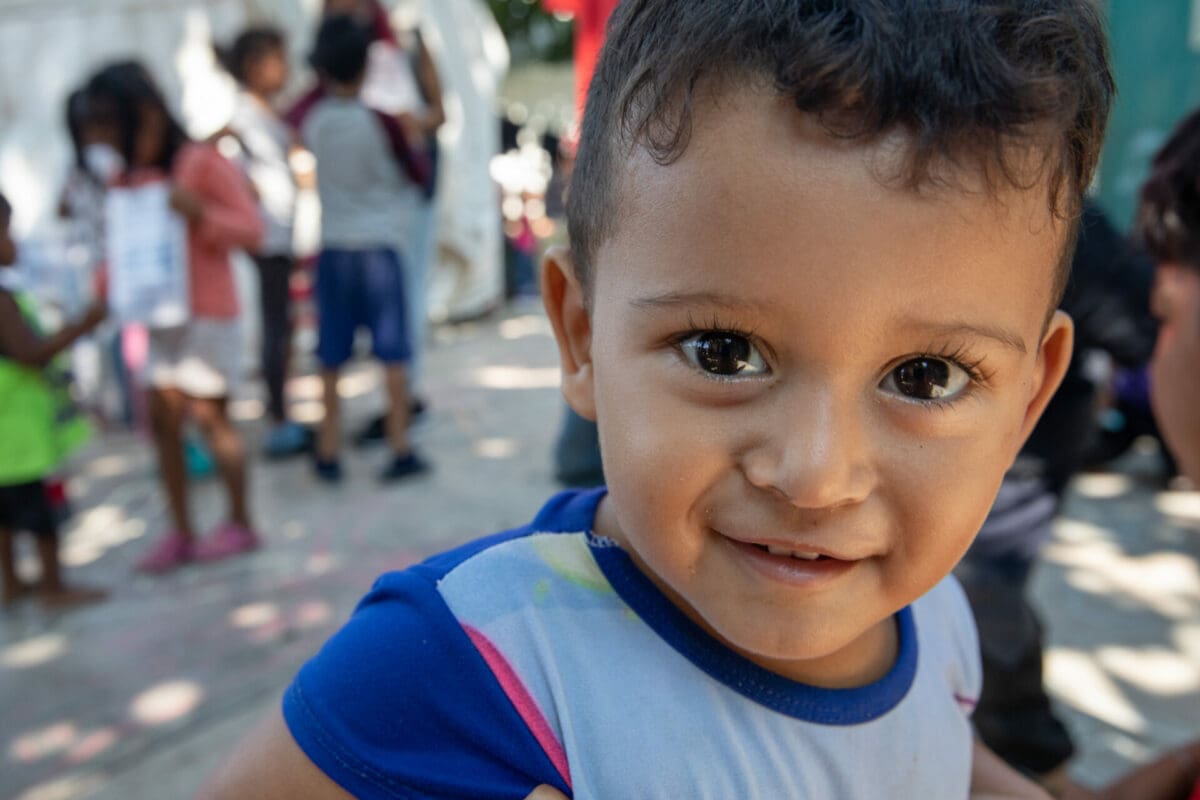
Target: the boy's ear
(563, 297)
(1053, 358)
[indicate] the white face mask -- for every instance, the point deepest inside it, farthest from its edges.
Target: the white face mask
(103, 161)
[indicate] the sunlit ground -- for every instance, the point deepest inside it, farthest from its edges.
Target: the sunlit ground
(1120, 590)
(110, 701)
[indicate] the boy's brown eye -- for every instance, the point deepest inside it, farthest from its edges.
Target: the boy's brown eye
(723, 354)
(927, 379)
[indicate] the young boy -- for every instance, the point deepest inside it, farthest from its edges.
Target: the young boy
(367, 181)
(37, 430)
(816, 250)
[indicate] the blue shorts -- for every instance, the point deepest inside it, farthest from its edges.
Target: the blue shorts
(361, 288)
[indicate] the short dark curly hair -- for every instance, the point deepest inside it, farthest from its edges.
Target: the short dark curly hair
(1168, 215)
(977, 80)
(340, 51)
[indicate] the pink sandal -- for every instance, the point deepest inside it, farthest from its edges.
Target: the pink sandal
(228, 539)
(170, 552)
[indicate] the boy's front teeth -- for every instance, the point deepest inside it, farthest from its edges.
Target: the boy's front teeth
(783, 551)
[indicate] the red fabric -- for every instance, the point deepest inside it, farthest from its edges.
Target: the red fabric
(381, 25)
(591, 20)
(1195, 792)
(296, 115)
(415, 164)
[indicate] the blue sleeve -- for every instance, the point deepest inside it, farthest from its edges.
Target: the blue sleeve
(400, 704)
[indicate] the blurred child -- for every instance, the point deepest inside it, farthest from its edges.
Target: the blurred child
(37, 430)
(1168, 223)
(368, 180)
(81, 204)
(401, 81)
(192, 368)
(816, 252)
(258, 62)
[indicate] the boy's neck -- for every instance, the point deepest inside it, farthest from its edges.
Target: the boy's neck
(349, 90)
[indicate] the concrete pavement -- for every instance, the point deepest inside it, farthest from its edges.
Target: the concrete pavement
(140, 697)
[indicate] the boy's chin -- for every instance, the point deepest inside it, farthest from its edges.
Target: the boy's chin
(817, 656)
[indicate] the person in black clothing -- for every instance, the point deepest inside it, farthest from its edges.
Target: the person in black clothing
(1108, 298)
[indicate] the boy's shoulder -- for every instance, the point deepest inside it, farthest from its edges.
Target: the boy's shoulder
(411, 695)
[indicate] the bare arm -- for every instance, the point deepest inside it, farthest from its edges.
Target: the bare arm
(431, 87)
(212, 194)
(23, 345)
(1170, 777)
(992, 779)
(268, 765)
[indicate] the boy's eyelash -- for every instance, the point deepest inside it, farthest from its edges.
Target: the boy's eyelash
(714, 324)
(972, 365)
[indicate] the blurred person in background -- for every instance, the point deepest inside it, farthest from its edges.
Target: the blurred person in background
(402, 81)
(39, 427)
(191, 369)
(1168, 223)
(368, 180)
(81, 206)
(1107, 297)
(257, 60)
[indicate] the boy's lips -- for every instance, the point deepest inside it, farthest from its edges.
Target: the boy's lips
(797, 565)
(791, 561)
(797, 548)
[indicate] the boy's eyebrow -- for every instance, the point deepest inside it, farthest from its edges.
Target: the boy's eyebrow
(670, 299)
(952, 328)
(958, 328)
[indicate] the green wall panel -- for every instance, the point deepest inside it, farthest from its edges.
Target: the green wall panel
(1156, 56)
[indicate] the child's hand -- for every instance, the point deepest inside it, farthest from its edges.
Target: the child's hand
(95, 314)
(414, 130)
(187, 203)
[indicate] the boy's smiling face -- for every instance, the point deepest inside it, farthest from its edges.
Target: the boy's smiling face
(784, 351)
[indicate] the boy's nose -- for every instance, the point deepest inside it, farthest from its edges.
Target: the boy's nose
(816, 454)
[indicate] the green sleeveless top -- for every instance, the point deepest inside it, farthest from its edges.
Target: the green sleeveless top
(40, 424)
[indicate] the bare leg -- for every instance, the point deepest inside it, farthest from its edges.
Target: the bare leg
(166, 423)
(226, 445)
(55, 592)
(11, 586)
(399, 408)
(329, 434)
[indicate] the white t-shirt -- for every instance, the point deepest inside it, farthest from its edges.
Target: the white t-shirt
(543, 655)
(265, 142)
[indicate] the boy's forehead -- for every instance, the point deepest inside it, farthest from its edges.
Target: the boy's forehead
(751, 145)
(759, 177)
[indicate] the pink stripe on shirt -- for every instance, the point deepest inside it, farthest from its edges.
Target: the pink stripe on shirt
(525, 704)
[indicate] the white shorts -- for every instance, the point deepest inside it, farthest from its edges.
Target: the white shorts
(202, 358)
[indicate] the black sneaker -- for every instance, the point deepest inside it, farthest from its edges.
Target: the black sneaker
(376, 430)
(328, 471)
(405, 466)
